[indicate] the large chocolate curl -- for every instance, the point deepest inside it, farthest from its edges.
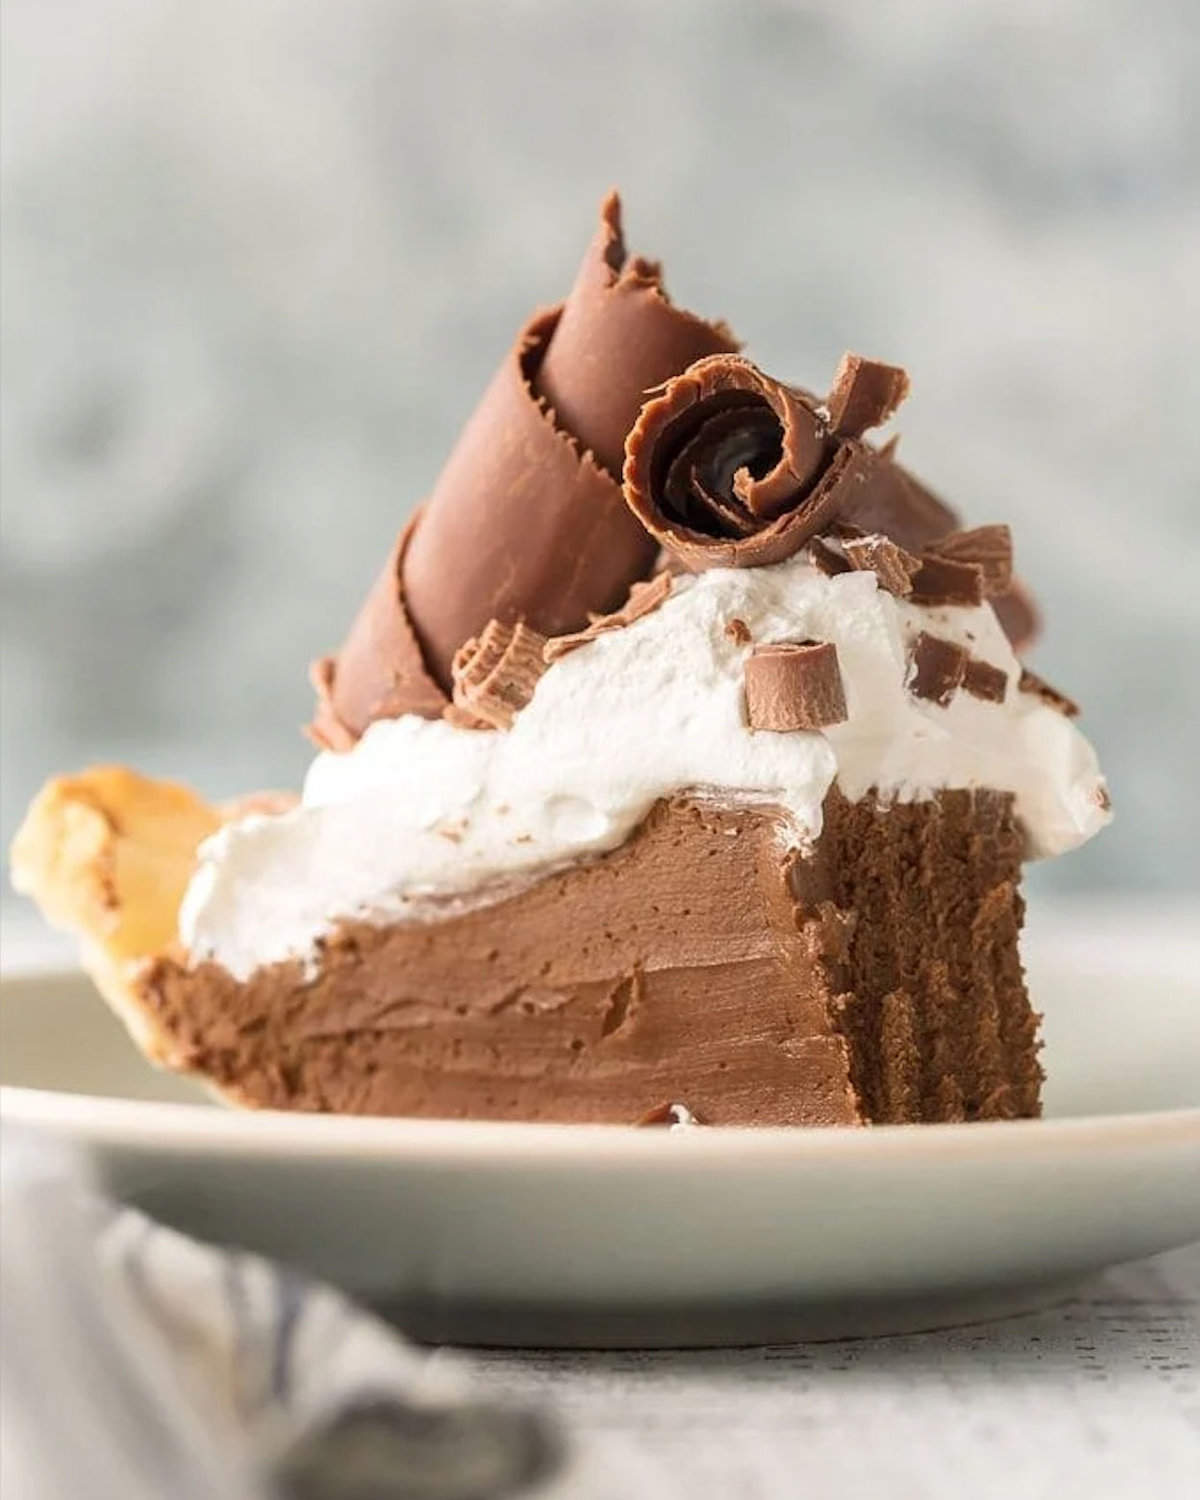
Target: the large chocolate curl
(527, 521)
(730, 468)
(379, 672)
(618, 337)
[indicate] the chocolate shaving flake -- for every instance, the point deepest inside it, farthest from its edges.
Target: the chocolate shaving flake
(794, 685)
(619, 336)
(738, 631)
(728, 467)
(982, 680)
(643, 598)
(988, 547)
(936, 668)
(939, 580)
(892, 565)
(495, 674)
(864, 394)
(828, 556)
(1030, 682)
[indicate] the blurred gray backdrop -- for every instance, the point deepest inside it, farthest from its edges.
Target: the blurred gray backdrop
(259, 257)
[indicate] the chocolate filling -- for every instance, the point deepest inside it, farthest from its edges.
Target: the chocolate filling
(701, 961)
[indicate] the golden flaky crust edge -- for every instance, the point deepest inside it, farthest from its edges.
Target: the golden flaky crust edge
(107, 856)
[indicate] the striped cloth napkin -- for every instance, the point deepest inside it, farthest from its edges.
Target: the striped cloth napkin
(137, 1364)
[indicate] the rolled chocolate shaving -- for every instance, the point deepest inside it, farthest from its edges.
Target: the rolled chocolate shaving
(730, 468)
(794, 685)
(524, 522)
(936, 668)
(982, 680)
(1018, 616)
(1030, 682)
(380, 670)
(644, 597)
(495, 674)
(724, 440)
(521, 524)
(828, 556)
(864, 394)
(892, 565)
(709, 464)
(619, 336)
(988, 547)
(939, 581)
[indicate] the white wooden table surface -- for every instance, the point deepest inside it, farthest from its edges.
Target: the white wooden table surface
(1098, 1399)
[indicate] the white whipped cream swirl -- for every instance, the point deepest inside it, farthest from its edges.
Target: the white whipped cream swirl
(421, 818)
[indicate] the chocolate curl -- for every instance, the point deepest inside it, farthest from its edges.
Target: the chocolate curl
(794, 685)
(982, 680)
(527, 520)
(380, 671)
(618, 337)
(828, 556)
(730, 468)
(988, 547)
(495, 675)
(936, 668)
(894, 568)
(524, 521)
(939, 581)
(864, 394)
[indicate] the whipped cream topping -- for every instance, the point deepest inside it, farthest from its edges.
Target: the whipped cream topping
(422, 818)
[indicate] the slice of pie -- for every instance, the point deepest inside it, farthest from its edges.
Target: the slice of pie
(680, 759)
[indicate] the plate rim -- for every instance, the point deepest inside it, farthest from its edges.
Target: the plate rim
(162, 1127)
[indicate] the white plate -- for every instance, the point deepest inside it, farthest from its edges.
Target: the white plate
(612, 1236)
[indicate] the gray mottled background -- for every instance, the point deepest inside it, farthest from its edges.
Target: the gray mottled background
(259, 258)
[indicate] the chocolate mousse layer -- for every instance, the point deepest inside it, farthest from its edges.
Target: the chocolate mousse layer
(699, 964)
